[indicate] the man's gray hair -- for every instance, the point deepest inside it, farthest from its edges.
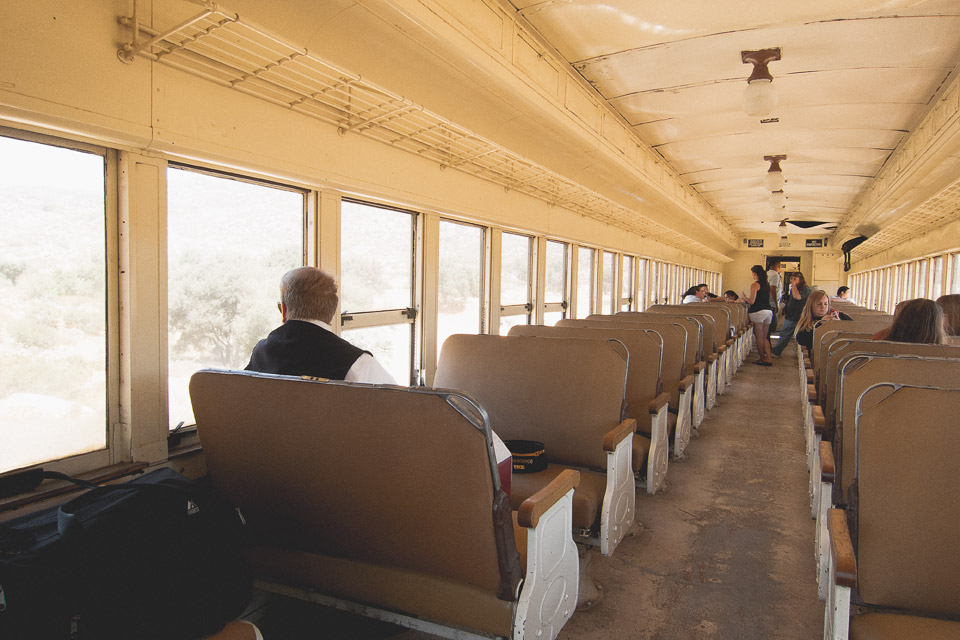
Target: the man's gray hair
(309, 294)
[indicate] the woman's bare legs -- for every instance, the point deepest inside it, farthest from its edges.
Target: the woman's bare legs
(761, 332)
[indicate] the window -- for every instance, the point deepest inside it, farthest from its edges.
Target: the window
(642, 302)
(654, 282)
(222, 296)
(376, 284)
(586, 276)
(516, 280)
(955, 273)
(608, 300)
(53, 342)
(555, 283)
(461, 280)
(936, 278)
(921, 285)
(626, 284)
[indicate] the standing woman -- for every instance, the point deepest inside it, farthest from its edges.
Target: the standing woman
(761, 314)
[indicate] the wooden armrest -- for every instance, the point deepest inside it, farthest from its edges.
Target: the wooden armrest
(819, 420)
(712, 357)
(842, 548)
(686, 382)
(700, 366)
(721, 348)
(730, 342)
(828, 467)
(807, 364)
(528, 515)
(659, 402)
(811, 393)
(616, 435)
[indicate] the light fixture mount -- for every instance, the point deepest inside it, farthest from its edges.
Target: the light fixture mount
(773, 179)
(760, 58)
(760, 97)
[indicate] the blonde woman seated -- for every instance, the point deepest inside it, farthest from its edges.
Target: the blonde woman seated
(817, 308)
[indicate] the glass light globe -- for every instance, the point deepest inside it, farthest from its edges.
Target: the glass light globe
(778, 200)
(773, 180)
(760, 98)
(784, 242)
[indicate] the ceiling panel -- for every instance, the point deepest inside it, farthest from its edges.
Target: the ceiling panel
(854, 79)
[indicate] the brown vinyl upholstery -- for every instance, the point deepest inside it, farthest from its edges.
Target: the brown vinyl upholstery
(840, 349)
(237, 630)
(384, 495)
(647, 350)
(868, 326)
(859, 373)
(908, 453)
(719, 312)
(892, 626)
(565, 393)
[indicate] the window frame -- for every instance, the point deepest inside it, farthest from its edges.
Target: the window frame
(117, 441)
(390, 317)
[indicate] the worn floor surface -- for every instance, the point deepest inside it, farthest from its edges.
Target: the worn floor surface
(726, 552)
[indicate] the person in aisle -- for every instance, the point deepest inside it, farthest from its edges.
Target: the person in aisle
(920, 321)
(305, 344)
(796, 298)
(776, 290)
(816, 308)
(760, 312)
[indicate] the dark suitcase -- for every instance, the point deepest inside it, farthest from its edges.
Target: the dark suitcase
(157, 557)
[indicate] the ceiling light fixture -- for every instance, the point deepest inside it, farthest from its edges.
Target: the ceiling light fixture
(778, 200)
(760, 97)
(784, 242)
(773, 180)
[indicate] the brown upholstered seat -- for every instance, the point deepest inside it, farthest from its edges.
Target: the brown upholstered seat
(905, 523)
(237, 630)
(892, 626)
(384, 496)
(567, 393)
(587, 497)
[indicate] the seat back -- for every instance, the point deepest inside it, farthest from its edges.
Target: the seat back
(860, 372)
(834, 327)
(565, 393)
(719, 312)
(908, 453)
(648, 358)
(710, 334)
(840, 349)
(692, 327)
(361, 473)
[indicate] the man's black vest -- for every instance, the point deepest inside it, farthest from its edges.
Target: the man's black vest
(300, 348)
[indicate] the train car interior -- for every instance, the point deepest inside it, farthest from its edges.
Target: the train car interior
(520, 205)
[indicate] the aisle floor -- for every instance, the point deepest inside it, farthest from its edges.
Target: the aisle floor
(726, 552)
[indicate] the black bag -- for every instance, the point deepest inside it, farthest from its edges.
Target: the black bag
(159, 557)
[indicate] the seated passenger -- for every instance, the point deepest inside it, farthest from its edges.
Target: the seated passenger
(919, 321)
(730, 296)
(696, 293)
(816, 309)
(843, 293)
(950, 305)
(305, 344)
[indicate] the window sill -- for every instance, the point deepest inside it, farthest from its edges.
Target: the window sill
(56, 488)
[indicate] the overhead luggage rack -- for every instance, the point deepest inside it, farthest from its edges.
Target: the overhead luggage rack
(218, 45)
